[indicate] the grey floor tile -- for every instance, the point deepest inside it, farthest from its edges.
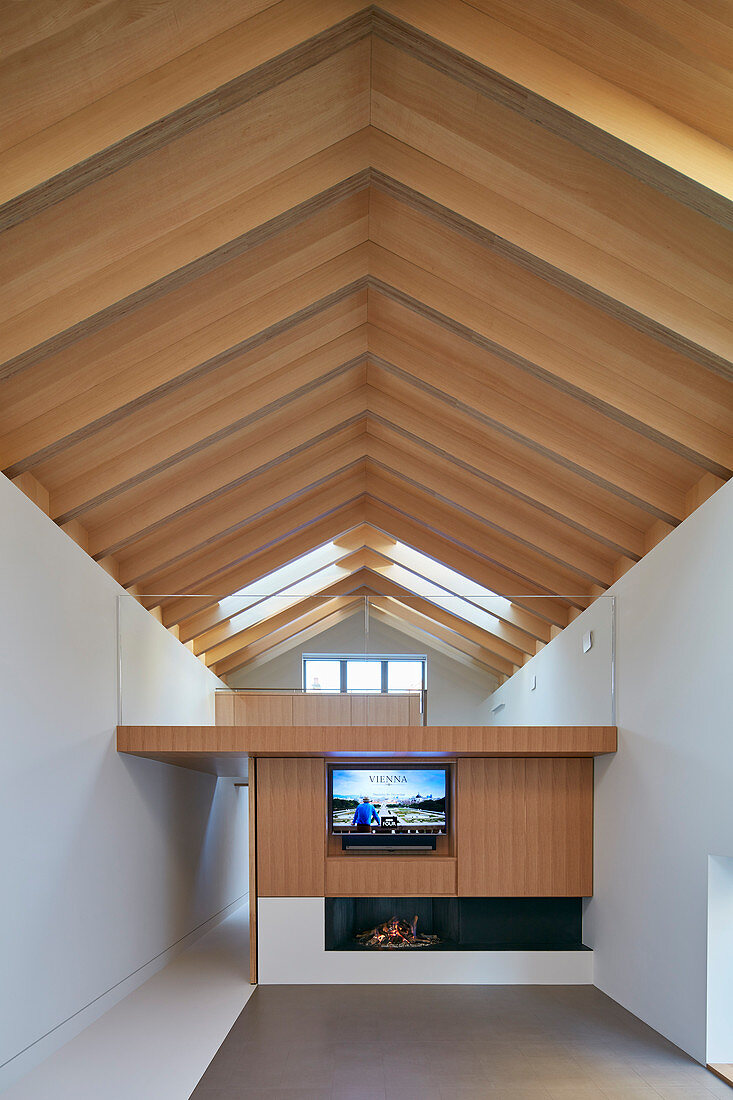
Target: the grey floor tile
(447, 1043)
(358, 1092)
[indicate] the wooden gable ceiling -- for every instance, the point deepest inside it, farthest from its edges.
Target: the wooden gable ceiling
(454, 276)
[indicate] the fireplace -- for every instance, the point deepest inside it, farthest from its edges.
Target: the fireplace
(455, 924)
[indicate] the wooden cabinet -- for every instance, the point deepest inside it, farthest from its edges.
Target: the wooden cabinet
(520, 827)
(372, 876)
(525, 827)
(291, 816)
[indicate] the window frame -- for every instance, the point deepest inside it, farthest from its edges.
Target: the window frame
(384, 658)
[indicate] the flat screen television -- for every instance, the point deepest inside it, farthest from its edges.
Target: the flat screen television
(388, 799)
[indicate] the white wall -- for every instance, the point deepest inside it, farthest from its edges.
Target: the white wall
(663, 803)
(291, 949)
(720, 960)
(161, 682)
(457, 694)
(572, 688)
(108, 861)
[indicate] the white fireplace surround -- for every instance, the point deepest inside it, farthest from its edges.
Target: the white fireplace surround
(291, 951)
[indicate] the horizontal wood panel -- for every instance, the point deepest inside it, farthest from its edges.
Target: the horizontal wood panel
(291, 811)
(322, 710)
(244, 708)
(525, 828)
(199, 743)
(370, 876)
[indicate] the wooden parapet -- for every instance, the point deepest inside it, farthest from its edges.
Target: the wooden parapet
(223, 750)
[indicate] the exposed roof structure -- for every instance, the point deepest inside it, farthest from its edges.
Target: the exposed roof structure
(429, 278)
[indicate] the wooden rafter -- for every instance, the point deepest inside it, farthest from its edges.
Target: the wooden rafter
(463, 290)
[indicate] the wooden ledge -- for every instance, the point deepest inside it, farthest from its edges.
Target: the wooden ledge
(223, 750)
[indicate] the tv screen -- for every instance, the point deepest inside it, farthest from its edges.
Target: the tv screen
(395, 800)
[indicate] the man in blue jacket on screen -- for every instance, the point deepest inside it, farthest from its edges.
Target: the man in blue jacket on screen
(364, 815)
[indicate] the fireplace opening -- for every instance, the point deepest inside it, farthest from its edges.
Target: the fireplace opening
(454, 924)
(396, 935)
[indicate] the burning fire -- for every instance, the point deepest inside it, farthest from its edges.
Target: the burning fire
(396, 933)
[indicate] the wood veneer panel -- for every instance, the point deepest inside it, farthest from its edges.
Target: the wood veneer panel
(525, 828)
(322, 710)
(369, 876)
(566, 101)
(263, 710)
(224, 709)
(389, 710)
(180, 742)
(291, 811)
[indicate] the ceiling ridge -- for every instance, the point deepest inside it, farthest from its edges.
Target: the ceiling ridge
(378, 21)
(188, 117)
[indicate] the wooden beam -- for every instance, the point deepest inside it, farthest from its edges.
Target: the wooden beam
(258, 449)
(110, 265)
(318, 615)
(529, 410)
(92, 399)
(32, 488)
(641, 55)
(237, 616)
(360, 571)
(457, 655)
(174, 97)
(531, 609)
(510, 69)
(655, 534)
(272, 652)
(431, 627)
(383, 563)
(400, 410)
(231, 513)
(702, 491)
(275, 621)
(169, 431)
(653, 303)
(199, 612)
(489, 637)
(224, 568)
(463, 490)
(365, 535)
(77, 532)
(440, 512)
(667, 411)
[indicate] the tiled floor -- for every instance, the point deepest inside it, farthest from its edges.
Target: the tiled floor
(447, 1043)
